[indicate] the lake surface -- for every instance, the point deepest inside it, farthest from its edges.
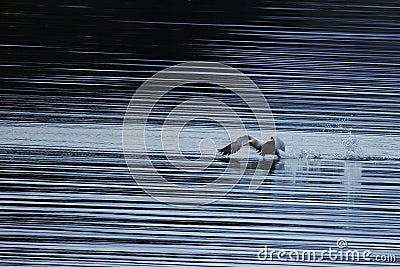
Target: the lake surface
(330, 73)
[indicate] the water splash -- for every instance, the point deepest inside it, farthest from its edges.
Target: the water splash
(353, 147)
(338, 125)
(306, 155)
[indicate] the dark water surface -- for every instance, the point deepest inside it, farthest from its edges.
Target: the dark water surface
(329, 70)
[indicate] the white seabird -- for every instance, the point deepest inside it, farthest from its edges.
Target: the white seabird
(274, 146)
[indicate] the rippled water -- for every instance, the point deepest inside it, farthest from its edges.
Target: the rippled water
(329, 70)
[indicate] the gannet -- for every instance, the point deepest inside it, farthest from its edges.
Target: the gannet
(274, 146)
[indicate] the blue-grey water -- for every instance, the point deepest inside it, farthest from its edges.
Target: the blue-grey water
(329, 70)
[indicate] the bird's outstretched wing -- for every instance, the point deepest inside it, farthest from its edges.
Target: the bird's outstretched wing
(234, 146)
(279, 144)
(268, 148)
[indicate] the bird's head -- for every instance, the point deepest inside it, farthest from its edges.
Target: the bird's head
(254, 142)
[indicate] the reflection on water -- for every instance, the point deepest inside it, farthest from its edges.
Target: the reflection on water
(68, 71)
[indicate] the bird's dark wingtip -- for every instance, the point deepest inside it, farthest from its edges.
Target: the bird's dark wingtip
(225, 150)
